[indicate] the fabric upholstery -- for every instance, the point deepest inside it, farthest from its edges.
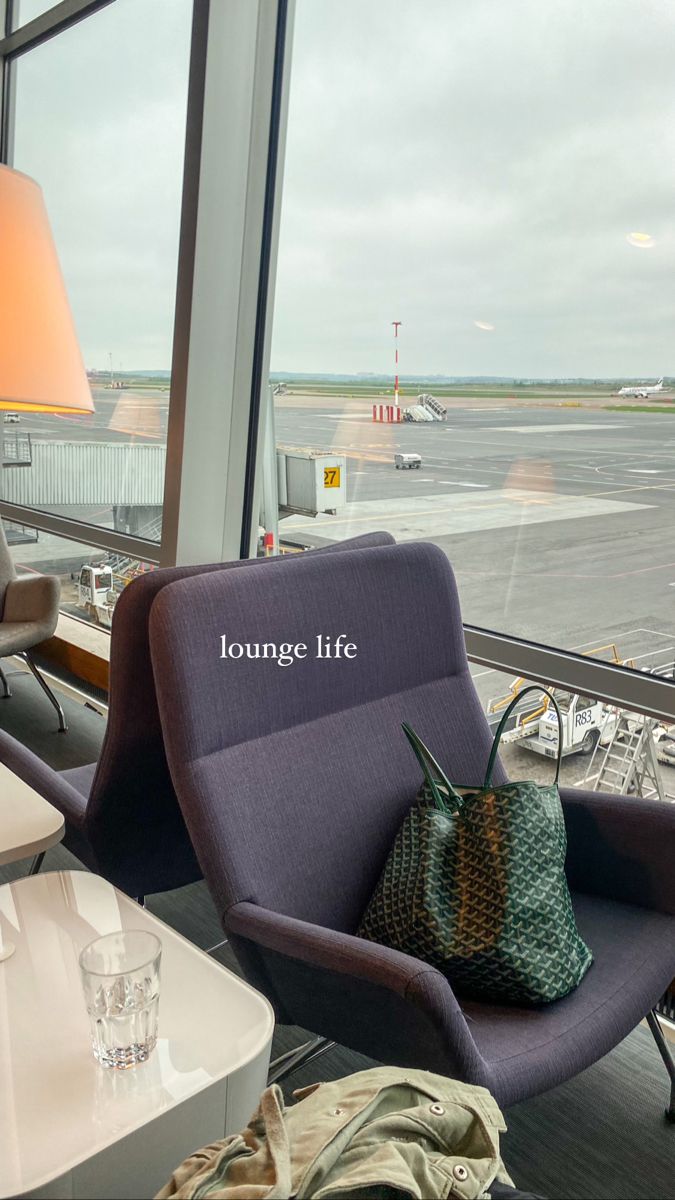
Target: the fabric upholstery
(122, 816)
(293, 782)
(634, 963)
(620, 847)
(7, 568)
(29, 605)
(329, 729)
(132, 800)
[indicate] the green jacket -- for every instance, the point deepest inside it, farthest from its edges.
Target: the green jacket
(384, 1133)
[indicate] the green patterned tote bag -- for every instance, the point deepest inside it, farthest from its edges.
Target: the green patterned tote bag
(475, 885)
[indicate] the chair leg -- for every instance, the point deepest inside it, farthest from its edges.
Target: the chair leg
(5, 686)
(668, 1061)
(47, 691)
(293, 1059)
(36, 863)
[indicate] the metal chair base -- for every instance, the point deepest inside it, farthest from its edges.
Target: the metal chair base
(292, 1060)
(668, 1061)
(6, 694)
(47, 691)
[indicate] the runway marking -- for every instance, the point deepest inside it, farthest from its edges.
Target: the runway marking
(456, 483)
(567, 428)
(643, 471)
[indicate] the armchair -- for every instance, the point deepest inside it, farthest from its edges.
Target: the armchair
(317, 778)
(122, 816)
(30, 610)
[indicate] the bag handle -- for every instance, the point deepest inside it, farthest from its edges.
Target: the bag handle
(427, 761)
(533, 687)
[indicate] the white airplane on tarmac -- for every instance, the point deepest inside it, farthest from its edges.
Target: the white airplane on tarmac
(642, 389)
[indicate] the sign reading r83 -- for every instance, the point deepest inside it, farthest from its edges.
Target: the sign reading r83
(331, 477)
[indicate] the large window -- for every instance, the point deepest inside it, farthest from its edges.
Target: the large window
(496, 176)
(91, 579)
(98, 119)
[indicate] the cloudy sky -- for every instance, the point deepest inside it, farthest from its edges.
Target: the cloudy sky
(100, 123)
(473, 168)
(454, 161)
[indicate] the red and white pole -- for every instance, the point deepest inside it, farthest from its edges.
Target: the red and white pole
(396, 325)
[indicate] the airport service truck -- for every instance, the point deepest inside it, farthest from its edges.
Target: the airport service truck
(585, 722)
(96, 594)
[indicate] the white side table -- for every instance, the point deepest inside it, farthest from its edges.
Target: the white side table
(70, 1128)
(28, 823)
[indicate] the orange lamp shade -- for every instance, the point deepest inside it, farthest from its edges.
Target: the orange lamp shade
(41, 367)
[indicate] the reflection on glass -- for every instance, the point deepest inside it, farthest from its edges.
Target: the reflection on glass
(24, 11)
(604, 748)
(643, 241)
(91, 580)
(100, 124)
(489, 212)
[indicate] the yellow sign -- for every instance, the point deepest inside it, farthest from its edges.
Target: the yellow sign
(331, 477)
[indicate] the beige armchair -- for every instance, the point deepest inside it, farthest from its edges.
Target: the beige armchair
(30, 608)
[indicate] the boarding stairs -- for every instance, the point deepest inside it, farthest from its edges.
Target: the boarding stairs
(432, 405)
(427, 408)
(628, 764)
(417, 413)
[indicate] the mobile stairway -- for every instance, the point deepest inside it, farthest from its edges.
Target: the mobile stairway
(427, 408)
(628, 764)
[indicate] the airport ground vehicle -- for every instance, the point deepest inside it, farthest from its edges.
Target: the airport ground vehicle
(585, 722)
(100, 585)
(411, 461)
(11, 418)
(96, 594)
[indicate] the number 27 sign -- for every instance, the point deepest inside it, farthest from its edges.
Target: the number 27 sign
(331, 477)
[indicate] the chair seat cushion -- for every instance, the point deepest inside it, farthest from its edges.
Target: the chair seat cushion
(16, 636)
(530, 1050)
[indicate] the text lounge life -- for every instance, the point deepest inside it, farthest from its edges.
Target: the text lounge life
(286, 653)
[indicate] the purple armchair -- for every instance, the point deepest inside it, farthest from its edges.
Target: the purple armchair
(122, 817)
(293, 782)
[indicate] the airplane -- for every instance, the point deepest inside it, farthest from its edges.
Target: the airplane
(642, 389)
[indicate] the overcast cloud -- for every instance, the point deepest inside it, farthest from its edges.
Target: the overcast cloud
(448, 161)
(453, 161)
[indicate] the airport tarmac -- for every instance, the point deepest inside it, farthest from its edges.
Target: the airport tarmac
(558, 520)
(558, 523)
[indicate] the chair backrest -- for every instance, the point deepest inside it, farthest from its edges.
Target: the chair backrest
(293, 780)
(7, 569)
(132, 782)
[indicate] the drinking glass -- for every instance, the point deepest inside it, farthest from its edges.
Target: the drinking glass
(120, 978)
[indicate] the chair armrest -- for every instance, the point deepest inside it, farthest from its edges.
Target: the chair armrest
(354, 958)
(621, 847)
(33, 598)
(43, 779)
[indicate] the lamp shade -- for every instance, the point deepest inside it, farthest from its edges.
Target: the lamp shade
(41, 367)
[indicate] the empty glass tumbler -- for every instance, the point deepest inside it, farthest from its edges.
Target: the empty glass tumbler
(120, 977)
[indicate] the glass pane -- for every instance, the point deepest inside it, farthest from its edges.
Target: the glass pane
(478, 205)
(24, 11)
(604, 749)
(104, 136)
(92, 580)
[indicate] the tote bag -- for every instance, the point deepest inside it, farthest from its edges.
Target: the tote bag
(475, 885)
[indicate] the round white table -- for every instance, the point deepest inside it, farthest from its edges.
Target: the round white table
(29, 825)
